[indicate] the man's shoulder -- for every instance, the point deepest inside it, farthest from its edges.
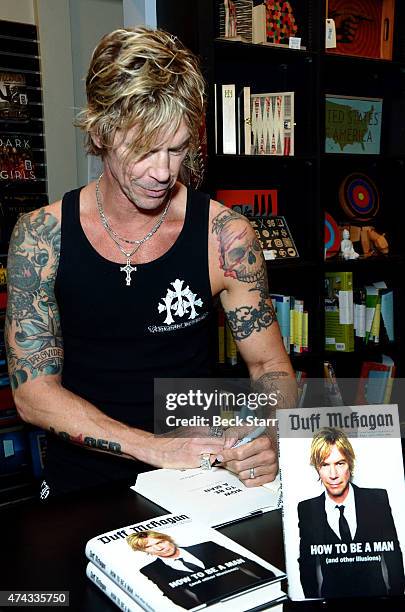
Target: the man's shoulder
(307, 504)
(366, 492)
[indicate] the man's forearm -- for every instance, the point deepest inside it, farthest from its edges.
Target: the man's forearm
(47, 404)
(280, 386)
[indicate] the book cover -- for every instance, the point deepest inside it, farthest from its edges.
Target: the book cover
(214, 496)
(343, 518)
(171, 562)
(272, 123)
(275, 237)
(13, 97)
(353, 125)
(16, 158)
(339, 312)
(363, 27)
(249, 202)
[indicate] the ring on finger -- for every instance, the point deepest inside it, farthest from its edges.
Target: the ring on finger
(205, 463)
(252, 472)
(215, 431)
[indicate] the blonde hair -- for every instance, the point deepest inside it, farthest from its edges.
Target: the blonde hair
(321, 447)
(139, 541)
(144, 78)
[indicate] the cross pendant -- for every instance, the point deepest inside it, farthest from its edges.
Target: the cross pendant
(128, 269)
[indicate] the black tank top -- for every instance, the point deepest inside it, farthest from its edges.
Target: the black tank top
(118, 338)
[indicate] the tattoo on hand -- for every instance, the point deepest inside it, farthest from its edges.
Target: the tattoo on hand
(241, 257)
(97, 443)
(32, 326)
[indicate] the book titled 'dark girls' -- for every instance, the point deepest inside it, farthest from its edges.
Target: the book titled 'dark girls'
(175, 563)
(343, 492)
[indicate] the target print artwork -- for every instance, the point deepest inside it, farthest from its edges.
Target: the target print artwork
(332, 236)
(358, 197)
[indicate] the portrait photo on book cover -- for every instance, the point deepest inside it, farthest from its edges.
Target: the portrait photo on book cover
(201, 573)
(344, 522)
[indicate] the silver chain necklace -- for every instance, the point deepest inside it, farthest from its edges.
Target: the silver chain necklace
(128, 268)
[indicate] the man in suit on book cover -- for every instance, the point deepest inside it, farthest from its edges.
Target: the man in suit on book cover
(348, 541)
(197, 574)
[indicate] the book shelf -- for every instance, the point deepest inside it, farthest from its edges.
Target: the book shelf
(23, 187)
(308, 182)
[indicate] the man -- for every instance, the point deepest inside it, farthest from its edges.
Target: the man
(220, 571)
(355, 522)
(113, 286)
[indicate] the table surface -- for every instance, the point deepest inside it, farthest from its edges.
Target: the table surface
(42, 545)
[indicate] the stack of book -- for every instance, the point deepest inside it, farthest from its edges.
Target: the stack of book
(173, 562)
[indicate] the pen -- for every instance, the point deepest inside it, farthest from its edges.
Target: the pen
(251, 436)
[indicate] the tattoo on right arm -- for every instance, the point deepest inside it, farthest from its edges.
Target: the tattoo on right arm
(32, 332)
(96, 443)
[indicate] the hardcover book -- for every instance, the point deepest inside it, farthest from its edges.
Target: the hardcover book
(13, 96)
(339, 312)
(363, 27)
(127, 604)
(215, 497)
(272, 123)
(16, 158)
(172, 562)
(343, 518)
(353, 125)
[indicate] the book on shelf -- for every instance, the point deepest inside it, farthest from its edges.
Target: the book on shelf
(16, 158)
(292, 318)
(214, 496)
(376, 381)
(364, 28)
(281, 304)
(332, 391)
(12, 206)
(37, 444)
(244, 122)
(229, 131)
(275, 237)
(173, 562)
(339, 317)
(352, 124)
(259, 29)
(13, 450)
(272, 123)
(13, 97)
(343, 519)
(249, 202)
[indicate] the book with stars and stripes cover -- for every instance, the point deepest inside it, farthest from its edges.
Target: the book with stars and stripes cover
(342, 481)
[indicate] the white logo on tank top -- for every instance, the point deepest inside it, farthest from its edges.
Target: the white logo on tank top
(179, 302)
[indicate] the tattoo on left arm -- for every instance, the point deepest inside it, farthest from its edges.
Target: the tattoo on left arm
(241, 257)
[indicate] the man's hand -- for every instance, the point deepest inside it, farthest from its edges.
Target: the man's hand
(260, 454)
(183, 447)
